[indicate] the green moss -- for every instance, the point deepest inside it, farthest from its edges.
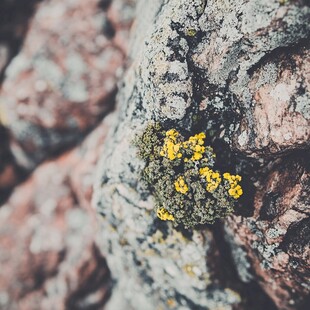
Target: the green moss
(179, 172)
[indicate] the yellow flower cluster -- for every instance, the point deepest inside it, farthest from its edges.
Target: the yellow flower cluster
(195, 143)
(180, 185)
(180, 172)
(193, 149)
(164, 215)
(213, 178)
(171, 147)
(235, 190)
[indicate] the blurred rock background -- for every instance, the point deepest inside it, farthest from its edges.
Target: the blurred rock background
(59, 63)
(78, 80)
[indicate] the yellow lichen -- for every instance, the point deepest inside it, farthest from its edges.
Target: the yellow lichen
(171, 303)
(171, 147)
(179, 170)
(180, 185)
(212, 178)
(164, 215)
(235, 189)
(195, 143)
(189, 270)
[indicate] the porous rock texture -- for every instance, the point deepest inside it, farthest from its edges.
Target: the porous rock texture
(240, 72)
(61, 83)
(49, 255)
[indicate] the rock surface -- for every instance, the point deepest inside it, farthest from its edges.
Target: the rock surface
(275, 240)
(209, 66)
(48, 251)
(61, 83)
(238, 71)
(254, 68)
(49, 254)
(14, 20)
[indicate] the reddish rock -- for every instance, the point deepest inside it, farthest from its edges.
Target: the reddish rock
(14, 20)
(280, 118)
(48, 253)
(61, 83)
(274, 242)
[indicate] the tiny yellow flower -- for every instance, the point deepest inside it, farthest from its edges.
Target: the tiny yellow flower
(226, 175)
(201, 135)
(171, 148)
(180, 185)
(164, 215)
(235, 192)
(196, 156)
(212, 178)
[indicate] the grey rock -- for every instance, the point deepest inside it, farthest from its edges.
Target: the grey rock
(188, 58)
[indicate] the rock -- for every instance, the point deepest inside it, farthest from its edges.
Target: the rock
(48, 251)
(198, 65)
(14, 20)
(154, 265)
(62, 82)
(245, 78)
(239, 72)
(275, 240)
(280, 107)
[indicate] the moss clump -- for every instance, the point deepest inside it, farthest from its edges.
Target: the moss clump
(179, 172)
